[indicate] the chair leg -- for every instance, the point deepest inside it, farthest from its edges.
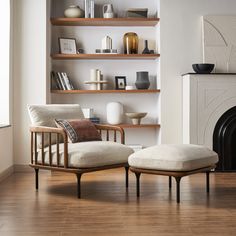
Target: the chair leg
(36, 178)
(78, 184)
(137, 183)
(170, 182)
(208, 181)
(178, 189)
(126, 176)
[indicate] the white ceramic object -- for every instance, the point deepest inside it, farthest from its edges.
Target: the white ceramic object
(129, 87)
(74, 12)
(108, 11)
(115, 113)
(136, 117)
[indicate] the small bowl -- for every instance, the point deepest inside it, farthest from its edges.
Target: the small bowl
(203, 68)
(136, 117)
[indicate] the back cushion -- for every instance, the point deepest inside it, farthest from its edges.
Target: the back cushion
(45, 115)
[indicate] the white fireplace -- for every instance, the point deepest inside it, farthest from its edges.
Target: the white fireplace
(205, 99)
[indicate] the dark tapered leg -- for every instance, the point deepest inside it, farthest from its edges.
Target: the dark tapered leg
(170, 182)
(78, 184)
(138, 183)
(36, 179)
(208, 181)
(127, 176)
(178, 189)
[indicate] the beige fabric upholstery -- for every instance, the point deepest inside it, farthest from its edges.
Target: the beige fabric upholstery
(45, 115)
(91, 154)
(173, 157)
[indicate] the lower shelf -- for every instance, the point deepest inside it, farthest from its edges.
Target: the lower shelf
(130, 126)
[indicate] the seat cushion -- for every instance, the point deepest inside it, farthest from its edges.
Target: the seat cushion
(90, 154)
(182, 157)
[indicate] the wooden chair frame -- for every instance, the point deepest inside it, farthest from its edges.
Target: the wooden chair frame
(176, 174)
(43, 131)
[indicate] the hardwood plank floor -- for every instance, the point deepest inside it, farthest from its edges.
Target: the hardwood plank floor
(106, 208)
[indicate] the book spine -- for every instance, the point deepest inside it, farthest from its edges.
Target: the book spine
(87, 7)
(54, 84)
(66, 79)
(61, 80)
(58, 81)
(92, 8)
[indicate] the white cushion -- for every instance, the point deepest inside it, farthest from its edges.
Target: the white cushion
(45, 115)
(181, 157)
(90, 154)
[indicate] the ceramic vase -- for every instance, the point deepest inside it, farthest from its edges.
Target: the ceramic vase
(74, 12)
(142, 80)
(115, 113)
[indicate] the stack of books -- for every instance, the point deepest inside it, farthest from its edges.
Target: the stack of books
(89, 8)
(61, 81)
(95, 120)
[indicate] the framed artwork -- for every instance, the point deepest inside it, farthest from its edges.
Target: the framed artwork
(120, 82)
(67, 45)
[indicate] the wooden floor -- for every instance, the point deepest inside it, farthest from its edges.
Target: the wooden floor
(106, 208)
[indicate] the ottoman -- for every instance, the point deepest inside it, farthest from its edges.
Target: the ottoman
(174, 161)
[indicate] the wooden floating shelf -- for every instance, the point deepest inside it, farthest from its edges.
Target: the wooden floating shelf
(104, 91)
(146, 22)
(131, 126)
(105, 56)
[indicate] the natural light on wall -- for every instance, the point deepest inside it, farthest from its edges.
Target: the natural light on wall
(4, 62)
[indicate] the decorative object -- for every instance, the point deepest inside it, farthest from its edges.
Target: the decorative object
(95, 120)
(137, 12)
(89, 8)
(96, 80)
(67, 45)
(75, 158)
(142, 81)
(115, 112)
(146, 50)
(136, 117)
(120, 82)
(81, 130)
(80, 51)
(107, 46)
(219, 42)
(203, 68)
(108, 11)
(88, 113)
(74, 11)
(170, 160)
(129, 87)
(93, 78)
(130, 41)
(106, 51)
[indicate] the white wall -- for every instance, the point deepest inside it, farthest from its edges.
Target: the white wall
(29, 69)
(180, 48)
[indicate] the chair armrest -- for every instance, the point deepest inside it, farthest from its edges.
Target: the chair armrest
(112, 128)
(43, 130)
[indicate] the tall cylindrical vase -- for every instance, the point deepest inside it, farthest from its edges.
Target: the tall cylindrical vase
(130, 41)
(115, 113)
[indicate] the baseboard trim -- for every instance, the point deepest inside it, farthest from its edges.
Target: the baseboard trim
(6, 173)
(22, 168)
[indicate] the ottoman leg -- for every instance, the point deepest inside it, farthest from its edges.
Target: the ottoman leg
(127, 176)
(170, 182)
(178, 189)
(78, 175)
(208, 181)
(137, 183)
(36, 179)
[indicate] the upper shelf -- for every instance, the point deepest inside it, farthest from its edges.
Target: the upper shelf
(105, 56)
(142, 22)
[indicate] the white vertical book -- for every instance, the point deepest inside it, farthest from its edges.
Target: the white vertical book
(92, 8)
(87, 8)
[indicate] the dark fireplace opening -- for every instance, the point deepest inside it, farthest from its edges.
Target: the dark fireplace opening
(224, 141)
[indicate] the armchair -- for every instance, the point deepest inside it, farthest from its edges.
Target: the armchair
(50, 149)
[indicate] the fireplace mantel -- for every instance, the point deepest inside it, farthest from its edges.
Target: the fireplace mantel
(205, 98)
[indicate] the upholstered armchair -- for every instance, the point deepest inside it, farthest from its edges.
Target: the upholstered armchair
(51, 150)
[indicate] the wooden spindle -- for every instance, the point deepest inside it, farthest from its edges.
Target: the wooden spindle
(35, 148)
(115, 138)
(107, 135)
(43, 161)
(50, 149)
(58, 154)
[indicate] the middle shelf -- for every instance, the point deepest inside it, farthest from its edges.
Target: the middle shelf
(104, 91)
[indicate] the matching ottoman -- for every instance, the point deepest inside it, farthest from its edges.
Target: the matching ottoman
(174, 161)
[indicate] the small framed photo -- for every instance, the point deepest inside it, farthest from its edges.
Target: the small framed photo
(67, 45)
(120, 82)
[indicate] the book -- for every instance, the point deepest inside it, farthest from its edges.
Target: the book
(54, 83)
(66, 79)
(87, 8)
(61, 79)
(92, 8)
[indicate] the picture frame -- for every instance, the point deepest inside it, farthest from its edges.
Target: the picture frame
(67, 45)
(120, 82)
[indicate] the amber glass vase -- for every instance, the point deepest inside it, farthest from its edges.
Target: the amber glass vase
(130, 43)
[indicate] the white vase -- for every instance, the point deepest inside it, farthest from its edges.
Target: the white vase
(74, 12)
(115, 113)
